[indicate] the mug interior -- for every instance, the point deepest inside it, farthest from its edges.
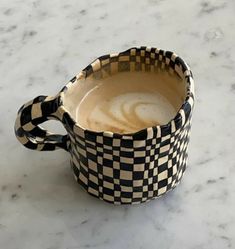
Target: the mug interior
(131, 71)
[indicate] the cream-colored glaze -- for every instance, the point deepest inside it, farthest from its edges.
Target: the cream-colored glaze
(125, 102)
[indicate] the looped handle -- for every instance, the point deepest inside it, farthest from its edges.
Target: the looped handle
(27, 128)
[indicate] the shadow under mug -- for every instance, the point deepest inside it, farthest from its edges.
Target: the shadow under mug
(117, 168)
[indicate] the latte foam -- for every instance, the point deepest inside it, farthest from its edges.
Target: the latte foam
(128, 102)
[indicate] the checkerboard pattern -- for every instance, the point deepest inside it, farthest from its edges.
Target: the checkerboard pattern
(130, 169)
(27, 128)
(118, 168)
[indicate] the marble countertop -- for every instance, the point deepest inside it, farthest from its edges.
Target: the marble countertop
(42, 45)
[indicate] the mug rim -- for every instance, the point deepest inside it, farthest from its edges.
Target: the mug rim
(189, 98)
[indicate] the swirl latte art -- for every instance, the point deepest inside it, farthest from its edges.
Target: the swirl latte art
(125, 107)
(130, 112)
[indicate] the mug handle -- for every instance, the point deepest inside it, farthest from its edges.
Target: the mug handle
(27, 128)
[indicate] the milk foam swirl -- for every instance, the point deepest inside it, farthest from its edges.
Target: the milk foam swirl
(127, 102)
(130, 112)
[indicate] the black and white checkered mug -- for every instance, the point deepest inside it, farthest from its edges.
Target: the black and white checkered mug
(117, 168)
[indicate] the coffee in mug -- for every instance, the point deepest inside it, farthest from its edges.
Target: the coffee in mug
(128, 102)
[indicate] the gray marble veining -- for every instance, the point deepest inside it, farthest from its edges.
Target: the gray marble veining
(45, 43)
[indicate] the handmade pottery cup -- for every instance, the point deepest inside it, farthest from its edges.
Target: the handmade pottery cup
(117, 168)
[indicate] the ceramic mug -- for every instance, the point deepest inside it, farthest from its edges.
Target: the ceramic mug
(117, 168)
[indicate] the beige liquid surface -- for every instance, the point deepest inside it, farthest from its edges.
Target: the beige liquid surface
(128, 102)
